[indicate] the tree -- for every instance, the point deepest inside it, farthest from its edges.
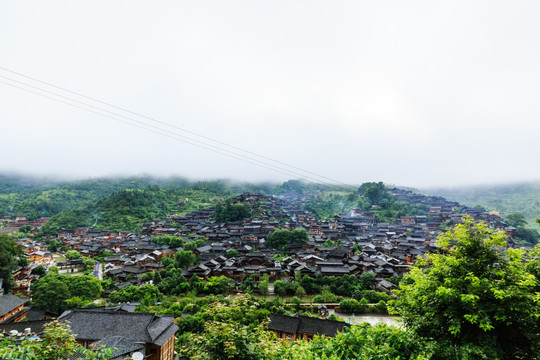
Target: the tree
(232, 253)
(373, 192)
(475, 300)
(50, 293)
(135, 293)
(53, 245)
(39, 270)
(231, 212)
(263, 285)
(516, 219)
(73, 254)
(366, 280)
(184, 259)
(11, 256)
(171, 240)
(280, 287)
(279, 239)
(57, 342)
(87, 287)
(25, 228)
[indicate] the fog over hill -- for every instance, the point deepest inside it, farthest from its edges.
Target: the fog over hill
(506, 198)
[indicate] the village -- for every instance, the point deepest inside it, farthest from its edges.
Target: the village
(351, 244)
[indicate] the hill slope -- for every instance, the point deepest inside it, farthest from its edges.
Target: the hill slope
(507, 199)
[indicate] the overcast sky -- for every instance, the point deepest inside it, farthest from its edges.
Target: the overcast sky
(416, 93)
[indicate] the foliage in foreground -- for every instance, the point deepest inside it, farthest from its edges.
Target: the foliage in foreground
(56, 343)
(11, 256)
(476, 300)
(235, 329)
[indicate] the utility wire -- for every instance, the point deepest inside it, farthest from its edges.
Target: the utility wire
(175, 126)
(164, 132)
(142, 127)
(221, 150)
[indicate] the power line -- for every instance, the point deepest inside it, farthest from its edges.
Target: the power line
(191, 141)
(144, 128)
(163, 132)
(173, 126)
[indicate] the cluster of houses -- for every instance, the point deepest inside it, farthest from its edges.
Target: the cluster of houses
(130, 335)
(350, 244)
(13, 225)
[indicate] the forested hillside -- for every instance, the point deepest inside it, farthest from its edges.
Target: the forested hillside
(507, 199)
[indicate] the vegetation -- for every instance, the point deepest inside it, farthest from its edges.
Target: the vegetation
(11, 257)
(57, 342)
(507, 199)
(228, 211)
(518, 220)
(377, 198)
(280, 239)
(327, 206)
(56, 293)
(115, 204)
(172, 241)
(476, 300)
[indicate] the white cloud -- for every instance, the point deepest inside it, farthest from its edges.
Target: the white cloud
(417, 93)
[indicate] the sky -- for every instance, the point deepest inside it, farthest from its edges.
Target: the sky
(415, 93)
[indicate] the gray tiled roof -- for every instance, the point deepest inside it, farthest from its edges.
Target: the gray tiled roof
(35, 327)
(311, 325)
(96, 324)
(283, 323)
(120, 344)
(10, 302)
(305, 324)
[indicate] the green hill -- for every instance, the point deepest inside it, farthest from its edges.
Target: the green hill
(507, 199)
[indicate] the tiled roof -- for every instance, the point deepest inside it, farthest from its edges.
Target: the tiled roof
(10, 302)
(96, 324)
(305, 324)
(120, 344)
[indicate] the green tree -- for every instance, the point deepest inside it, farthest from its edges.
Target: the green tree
(73, 254)
(53, 245)
(39, 270)
(10, 257)
(57, 342)
(232, 253)
(228, 211)
(475, 300)
(366, 280)
(279, 239)
(184, 259)
(87, 287)
(516, 219)
(25, 228)
(262, 286)
(50, 293)
(280, 287)
(172, 241)
(136, 293)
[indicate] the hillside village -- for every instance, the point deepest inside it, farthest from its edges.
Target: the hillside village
(352, 243)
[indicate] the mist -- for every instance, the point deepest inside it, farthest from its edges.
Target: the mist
(422, 94)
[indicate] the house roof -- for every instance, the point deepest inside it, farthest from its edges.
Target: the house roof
(10, 302)
(97, 324)
(284, 323)
(305, 324)
(35, 327)
(310, 325)
(120, 345)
